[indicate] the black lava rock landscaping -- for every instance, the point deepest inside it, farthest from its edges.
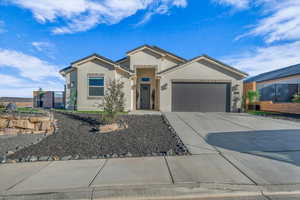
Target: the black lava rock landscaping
(76, 138)
(9, 144)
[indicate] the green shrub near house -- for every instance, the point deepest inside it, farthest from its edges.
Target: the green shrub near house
(296, 98)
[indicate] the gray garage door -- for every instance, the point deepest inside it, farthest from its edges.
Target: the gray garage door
(200, 97)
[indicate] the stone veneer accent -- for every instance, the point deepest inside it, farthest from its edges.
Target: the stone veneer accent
(15, 123)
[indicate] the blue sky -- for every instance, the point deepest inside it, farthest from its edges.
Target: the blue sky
(37, 38)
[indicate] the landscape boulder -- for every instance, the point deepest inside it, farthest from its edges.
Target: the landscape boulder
(11, 107)
(3, 123)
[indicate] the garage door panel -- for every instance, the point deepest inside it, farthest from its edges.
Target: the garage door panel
(199, 97)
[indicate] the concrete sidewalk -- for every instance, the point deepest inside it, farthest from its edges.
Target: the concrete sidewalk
(183, 177)
(232, 158)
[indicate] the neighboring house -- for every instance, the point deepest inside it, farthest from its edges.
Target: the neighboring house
(19, 101)
(156, 79)
(49, 99)
(276, 89)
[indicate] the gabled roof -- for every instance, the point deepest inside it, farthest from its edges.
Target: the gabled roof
(65, 70)
(121, 60)
(97, 56)
(198, 58)
(276, 74)
(158, 51)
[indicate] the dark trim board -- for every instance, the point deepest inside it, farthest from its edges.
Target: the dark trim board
(201, 96)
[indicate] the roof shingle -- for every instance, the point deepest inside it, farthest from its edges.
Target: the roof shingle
(276, 74)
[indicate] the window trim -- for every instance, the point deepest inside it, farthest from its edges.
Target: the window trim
(93, 86)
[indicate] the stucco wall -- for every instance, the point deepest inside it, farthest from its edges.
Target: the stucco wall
(124, 77)
(167, 63)
(84, 102)
(196, 72)
(143, 58)
(68, 91)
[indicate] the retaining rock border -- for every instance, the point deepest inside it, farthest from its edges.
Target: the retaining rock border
(181, 149)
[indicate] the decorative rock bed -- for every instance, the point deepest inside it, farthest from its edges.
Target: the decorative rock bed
(76, 138)
(20, 130)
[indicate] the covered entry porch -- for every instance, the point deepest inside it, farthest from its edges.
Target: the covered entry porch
(145, 90)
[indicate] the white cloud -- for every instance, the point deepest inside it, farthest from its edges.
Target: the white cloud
(46, 48)
(162, 9)
(32, 74)
(265, 59)
(29, 66)
(81, 15)
(239, 4)
(41, 46)
(7, 80)
(281, 23)
(11, 86)
(180, 3)
(280, 19)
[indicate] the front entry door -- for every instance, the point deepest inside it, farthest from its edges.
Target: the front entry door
(145, 96)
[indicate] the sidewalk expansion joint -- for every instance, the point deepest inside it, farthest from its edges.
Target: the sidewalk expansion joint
(220, 153)
(99, 171)
(9, 188)
(170, 173)
(93, 193)
(266, 197)
(223, 156)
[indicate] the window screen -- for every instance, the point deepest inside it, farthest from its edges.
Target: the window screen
(96, 86)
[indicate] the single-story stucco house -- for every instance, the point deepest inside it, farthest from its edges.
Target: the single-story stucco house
(276, 89)
(155, 79)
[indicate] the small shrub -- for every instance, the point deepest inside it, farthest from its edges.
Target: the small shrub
(296, 98)
(113, 101)
(253, 96)
(2, 106)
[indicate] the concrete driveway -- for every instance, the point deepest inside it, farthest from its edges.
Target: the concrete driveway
(265, 150)
(237, 156)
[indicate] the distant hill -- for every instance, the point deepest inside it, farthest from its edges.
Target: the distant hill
(15, 99)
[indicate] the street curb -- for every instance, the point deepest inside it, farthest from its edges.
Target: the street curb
(157, 192)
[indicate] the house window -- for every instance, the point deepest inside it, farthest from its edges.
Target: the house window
(96, 86)
(279, 92)
(145, 79)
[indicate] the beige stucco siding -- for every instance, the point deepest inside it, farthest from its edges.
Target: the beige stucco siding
(146, 58)
(68, 91)
(84, 102)
(194, 72)
(167, 63)
(124, 77)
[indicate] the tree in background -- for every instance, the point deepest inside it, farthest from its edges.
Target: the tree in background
(40, 95)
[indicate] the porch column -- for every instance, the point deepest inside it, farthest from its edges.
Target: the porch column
(157, 95)
(133, 93)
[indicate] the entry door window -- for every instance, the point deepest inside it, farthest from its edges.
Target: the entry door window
(96, 86)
